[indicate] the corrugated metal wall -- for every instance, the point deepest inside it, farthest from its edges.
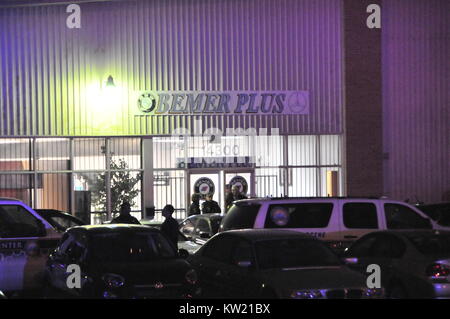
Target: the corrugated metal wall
(416, 99)
(52, 78)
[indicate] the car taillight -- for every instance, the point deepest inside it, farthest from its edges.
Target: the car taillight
(438, 270)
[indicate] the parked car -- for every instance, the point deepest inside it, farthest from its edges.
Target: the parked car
(201, 227)
(59, 220)
(440, 213)
(338, 221)
(25, 242)
(183, 241)
(120, 261)
(274, 264)
(414, 264)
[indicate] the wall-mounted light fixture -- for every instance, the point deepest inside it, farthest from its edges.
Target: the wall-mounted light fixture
(110, 82)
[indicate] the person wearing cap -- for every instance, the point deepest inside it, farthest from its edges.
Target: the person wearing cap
(125, 216)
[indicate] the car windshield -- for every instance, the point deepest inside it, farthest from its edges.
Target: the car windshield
(438, 244)
(62, 222)
(294, 253)
(130, 247)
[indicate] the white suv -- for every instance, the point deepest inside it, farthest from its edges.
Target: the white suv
(25, 242)
(338, 221)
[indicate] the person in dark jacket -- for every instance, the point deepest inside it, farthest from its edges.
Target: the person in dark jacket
(170, 226)
(210, 206)
(194, 208)
(232, 196)
(124, 216)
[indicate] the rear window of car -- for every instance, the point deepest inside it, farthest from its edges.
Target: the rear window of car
(431, 244)
(16, 221)
(240, 217)
(439, 213)
(360, 215)
(301, 215)
(403, 217)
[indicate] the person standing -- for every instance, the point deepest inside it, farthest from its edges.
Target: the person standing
(235, 194)
(210, 206)
(194, 208)
(236, 191)
(170, 227)
(125, 216)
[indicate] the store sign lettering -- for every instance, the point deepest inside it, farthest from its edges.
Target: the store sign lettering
(216, 103)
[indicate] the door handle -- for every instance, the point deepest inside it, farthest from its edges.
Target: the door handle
(350, 236)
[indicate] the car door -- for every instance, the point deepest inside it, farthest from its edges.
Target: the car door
(358, 218)
(239, 274)
(23, 250)
(210, 262)
(72, 251)
(399, 216)
(382, 249)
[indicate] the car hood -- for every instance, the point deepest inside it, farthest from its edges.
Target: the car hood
(188, 245)
(314, 278)
(164, 271)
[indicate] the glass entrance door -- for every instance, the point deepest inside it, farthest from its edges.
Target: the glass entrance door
(204, 183)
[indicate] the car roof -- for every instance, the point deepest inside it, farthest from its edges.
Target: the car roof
(97, 229)
(265, 234)
(266, 199)
(10, 199)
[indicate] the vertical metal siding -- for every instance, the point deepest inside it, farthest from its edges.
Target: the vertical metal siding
(416, 99)
(46, 68)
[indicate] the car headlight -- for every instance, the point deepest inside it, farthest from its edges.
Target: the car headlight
(373, 293)
(113, 280)
(191, 277)
(306, 294)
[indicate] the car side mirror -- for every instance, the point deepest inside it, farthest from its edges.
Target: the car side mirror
(205, 235)
(350, 260)
(183, 253)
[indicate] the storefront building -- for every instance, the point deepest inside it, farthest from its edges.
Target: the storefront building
(161, 99)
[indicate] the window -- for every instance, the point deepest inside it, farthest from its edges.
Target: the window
(402, 217)
(240, 217)
(203, 226)
(431, 244)
(187, 227)
(387, 246)
(315, 215)
(294, 253)
(130, 247)
(378, 246)
(219, 249)
(360, 215)
(440, 213)
(362, 247)
(16, 221)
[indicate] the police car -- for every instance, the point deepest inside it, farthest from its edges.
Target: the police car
(25, 242)
(337, 220)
